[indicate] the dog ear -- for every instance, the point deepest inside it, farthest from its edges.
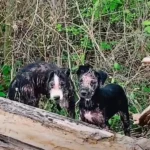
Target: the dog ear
(50, 74)
(102, 76)
(66, 71)
(83, 68)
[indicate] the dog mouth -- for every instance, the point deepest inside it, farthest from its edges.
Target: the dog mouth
(59, 97)
(56, 94)
(87, 99)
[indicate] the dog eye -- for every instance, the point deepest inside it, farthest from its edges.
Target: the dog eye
(93, 82)
(81, 80)
(51, 84)
(62, 84)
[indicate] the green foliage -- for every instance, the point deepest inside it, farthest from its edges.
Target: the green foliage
(59, 27)
(2, 94)
(105, 46)
(146, 89)
(115, 118)
(115, 123)
(3, 27)
(50, 105)
(112, 5)
(74, 30)
(146, 25)
(147, 29)
(6, 70)
(117, 66)
(86, 42)
(5, 80)
(96, 9)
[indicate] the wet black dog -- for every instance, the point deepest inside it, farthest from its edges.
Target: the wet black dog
(47, 79)
(98, 104)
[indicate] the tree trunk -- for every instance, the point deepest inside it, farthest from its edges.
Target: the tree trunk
(39, 129)
(10, 9)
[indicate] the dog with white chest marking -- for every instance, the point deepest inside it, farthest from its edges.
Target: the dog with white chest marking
(47, 79)
(98, 104)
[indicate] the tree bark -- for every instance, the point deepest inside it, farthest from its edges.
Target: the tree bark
(143, 118)
(44, 130)
(7, 143)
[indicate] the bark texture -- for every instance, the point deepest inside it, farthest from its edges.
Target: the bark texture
(32, 128)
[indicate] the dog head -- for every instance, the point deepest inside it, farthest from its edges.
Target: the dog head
(58, 86)
(89, 81)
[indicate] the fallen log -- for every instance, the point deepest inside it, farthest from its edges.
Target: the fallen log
(34, 128)
(143, 118)
(13, 144)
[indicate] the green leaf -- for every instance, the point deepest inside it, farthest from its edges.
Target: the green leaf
(68, 29)
(96, 9)
(116, 117)
(3, 27)
(96, 4)
(146, 90)
(127, 11)
(1, 88)
(110, 121)
(146, 23)
(132, 96)
(97, 14)
(59, 27)
(2, 94)
(86, 42)
(6, 70)
(94, 1)
(75, 31)
(82, 58)
(105, 46)
(117, 66)
(147, 29)
(75, 68)
(113, 80)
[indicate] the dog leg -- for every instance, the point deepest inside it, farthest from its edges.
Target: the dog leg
(81, 116)
(71, 109)
(28, 95)
(71, 114)
(33, 102)
(126, 122)
(106, 125)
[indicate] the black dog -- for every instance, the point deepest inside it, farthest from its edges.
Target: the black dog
(47, 79)
(98, 104)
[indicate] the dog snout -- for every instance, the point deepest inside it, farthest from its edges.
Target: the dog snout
(83, 93)
(56, 98)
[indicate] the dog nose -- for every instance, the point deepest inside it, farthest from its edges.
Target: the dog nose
(56, 98)
(83, 93)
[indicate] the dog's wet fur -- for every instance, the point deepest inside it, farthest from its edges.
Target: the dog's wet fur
(98, 104)
(47, 79)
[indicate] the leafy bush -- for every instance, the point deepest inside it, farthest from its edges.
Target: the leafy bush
(5, 80)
